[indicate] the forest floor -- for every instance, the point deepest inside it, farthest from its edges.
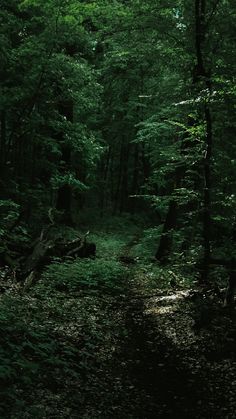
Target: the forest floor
(149, 347)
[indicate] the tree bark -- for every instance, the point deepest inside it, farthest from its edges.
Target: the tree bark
(118, 185)
(3, 138)
(124, 180)
(135, 179)
(165, 244)
(203, 75)
(64, 195)
(207, 197)
(105, 171)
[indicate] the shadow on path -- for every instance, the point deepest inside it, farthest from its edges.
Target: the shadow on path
(163, 382)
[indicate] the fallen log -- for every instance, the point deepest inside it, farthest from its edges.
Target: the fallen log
(39, 257)
(26, 260)
(44, 250)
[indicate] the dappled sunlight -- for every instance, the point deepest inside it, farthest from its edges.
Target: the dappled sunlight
(178, 295)
(155, 305)
(165, 312)
(160, 310)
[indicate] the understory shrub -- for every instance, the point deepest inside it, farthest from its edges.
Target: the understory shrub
(93, 274)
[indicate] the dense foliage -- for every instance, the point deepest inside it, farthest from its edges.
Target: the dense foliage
(116, 117)
(119, 104)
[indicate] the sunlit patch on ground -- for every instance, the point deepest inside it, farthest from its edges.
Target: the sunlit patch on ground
(169, 319)
(160, 310)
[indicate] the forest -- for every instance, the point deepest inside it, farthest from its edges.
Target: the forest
(118, 209)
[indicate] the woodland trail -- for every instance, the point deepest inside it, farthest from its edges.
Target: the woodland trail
(135, 352)
(167, 378)
(173, 369)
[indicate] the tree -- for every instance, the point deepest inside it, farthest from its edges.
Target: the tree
(46, 66)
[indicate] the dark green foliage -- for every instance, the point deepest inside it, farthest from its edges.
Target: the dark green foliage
(104, 275)
(48, 92)
(106, 104)
(30, 355)
(109, 109)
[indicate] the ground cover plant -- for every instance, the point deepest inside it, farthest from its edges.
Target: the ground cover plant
(91, 336)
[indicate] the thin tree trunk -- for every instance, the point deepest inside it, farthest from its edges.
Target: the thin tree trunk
(118, 186)
(145, 163)
(105, 171)
(64, 195)
(202, 75)
(135, 180)
(3, 137)
(111, 172)
(124, 181)
(170, 223)
(166, 235)
(207, 197)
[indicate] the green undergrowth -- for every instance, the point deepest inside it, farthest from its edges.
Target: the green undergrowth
(151, 277)
(108, 245)
(31, 357)
(58, 338)
(179, 272)
(59, 335)
(98, 274)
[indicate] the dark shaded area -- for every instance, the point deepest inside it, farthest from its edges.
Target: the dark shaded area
(159, 372)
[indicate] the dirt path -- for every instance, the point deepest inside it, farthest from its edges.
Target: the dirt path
(136, 352)
(172, 365)
(165, 382)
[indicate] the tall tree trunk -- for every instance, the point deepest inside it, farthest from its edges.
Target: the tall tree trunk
(3, 143)
(112, 176)
(105, 170)
(3, 136)
(64, 195)
(124, 181)
(207, 197)
(135, 180)
(118, 185)
(145, 163)
(202, 75)
(165, 244)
